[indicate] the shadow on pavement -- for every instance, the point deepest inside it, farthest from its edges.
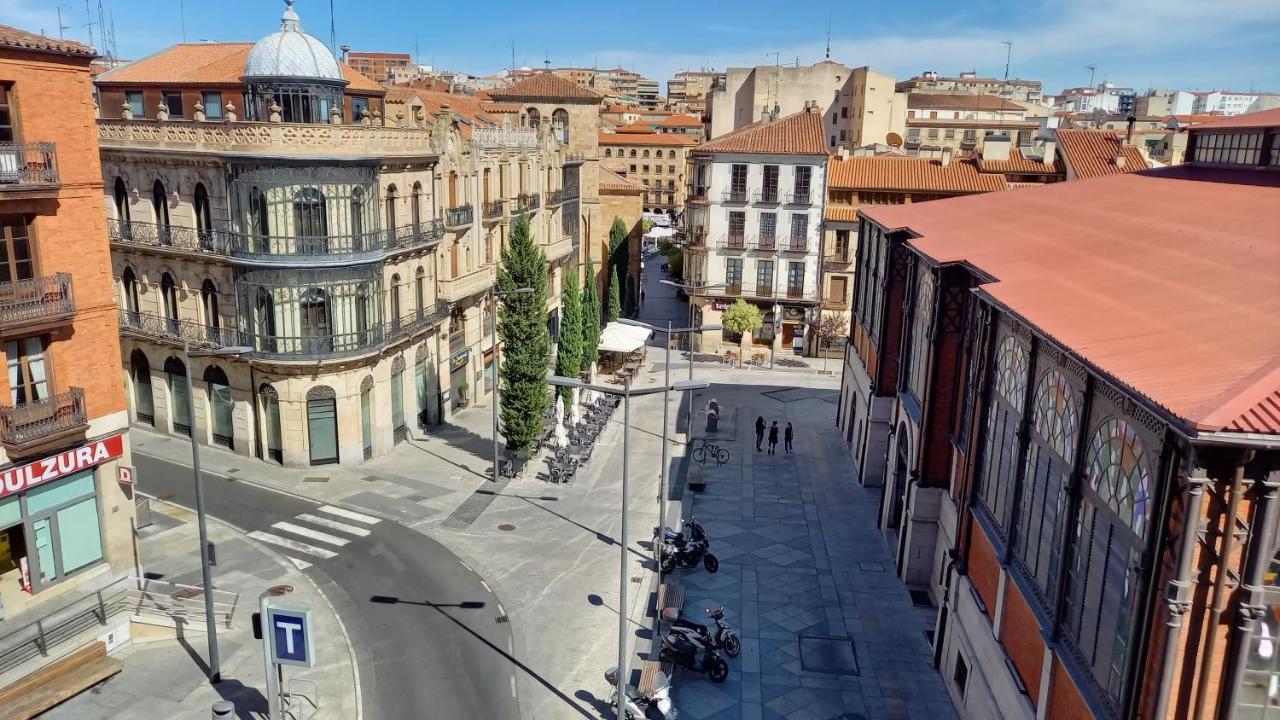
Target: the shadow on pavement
(249, 702)
(601, 706)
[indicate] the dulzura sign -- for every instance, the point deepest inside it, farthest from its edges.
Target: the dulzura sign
(24, 477)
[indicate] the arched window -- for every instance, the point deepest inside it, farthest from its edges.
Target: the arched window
(204, 217)
(313, 306)
(310, 221)
(122, 203)
(169, 297)
(645, 154)
(671, 154)
(160, 211)
(1040, 535)
(1003, 418)
(421, 365)
(357, 219)
(363, 336)
(264, 320)
(1103, 580)
(420, 290)
(395, 299)
(921, 332)
(560, 122)
(221, 407)
(608, 152)
(259, 222)
(143, 405)
(209, 305)
(416, 210)
(129, 286)
(633, 152)
(270, 402)
(179, 403)
(391, 207)
(532, 117)
(322, 425)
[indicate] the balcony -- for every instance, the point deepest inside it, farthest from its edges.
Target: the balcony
(795, 293)
(34, 427)
(698, 194)
(764, 291)
(837, 261)
(26, 166)
(528, 202)
(464, 286)
(266, 139)
(563, 195)
(734, 196)
(459, 218)
(835, 303)
(800, 198)
(733, 290)
(253, 249)
(733, 241)
(36, 304)
(417, 322)
(768, 196)
(178, 332)
(793, 245)
(495, 210)
(505, 137)
(559, 249)
(766, 243)
(457, 341)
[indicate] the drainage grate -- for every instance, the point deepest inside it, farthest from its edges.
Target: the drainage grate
(871, 566)
(316, 478)
(828, 655)
(920, 598)
(502, 619)
(469, 511)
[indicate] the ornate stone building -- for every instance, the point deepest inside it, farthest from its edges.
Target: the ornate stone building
(340, 261)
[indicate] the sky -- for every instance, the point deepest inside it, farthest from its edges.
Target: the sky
(1181, 44)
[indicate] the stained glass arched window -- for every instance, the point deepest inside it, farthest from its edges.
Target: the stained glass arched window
(1004, 416)
(1011, 371)
(1118, 472)
(1056, 413)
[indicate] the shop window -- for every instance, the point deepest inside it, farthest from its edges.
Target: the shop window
(221, 406)
(322, 425)
(61, 519)
(28, 373)
(271, 419)
(179, 401)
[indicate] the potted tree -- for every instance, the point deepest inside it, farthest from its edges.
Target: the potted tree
(743, 318)
(463, 388)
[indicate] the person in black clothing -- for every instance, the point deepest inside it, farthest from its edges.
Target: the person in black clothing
(773, 438)
(759, 431)
(786, 436)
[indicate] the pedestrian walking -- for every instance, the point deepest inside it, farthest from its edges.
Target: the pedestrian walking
(786, 436)
(773, 438)
(759, 431)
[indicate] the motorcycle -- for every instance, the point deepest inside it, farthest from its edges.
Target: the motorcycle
(638, 703)
(687, 555)
(691, 530)
(689, 650)
(725, 637)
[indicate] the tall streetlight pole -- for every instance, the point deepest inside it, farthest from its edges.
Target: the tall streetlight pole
(688, 428)
(206, 573)
(666, 442)
(626, 394)
(493, 343)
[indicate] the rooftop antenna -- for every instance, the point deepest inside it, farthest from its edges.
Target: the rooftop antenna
(513, 56)
(1092, 69)
(777, 72)
(333, 30)
(88, 16)
(1008, 54)
(182, 18)
(828, 34)
(61, 27)
(546, 59)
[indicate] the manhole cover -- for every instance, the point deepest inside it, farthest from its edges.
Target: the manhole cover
(506, 527)
(278, 590)
(828, 655)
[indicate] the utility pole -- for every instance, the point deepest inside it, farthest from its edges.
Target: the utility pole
(1008, 53)
(1092, 69)
(88, 16)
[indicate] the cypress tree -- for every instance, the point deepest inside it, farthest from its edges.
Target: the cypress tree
(526, 344)
(569, 355)
(615, 296)
(620, 257)
(590, 318)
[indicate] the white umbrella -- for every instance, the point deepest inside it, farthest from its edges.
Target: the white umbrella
(575, 412)
(560, 437)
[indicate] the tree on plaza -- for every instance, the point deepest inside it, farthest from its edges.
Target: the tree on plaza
(828, 329)
(590, 319)
(742, 318)
(570, 350)
(615, 296)
(526, 343)
(620, 255)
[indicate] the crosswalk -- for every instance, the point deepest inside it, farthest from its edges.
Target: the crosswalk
(320, 535)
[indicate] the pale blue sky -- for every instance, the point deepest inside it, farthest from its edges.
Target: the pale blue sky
(1187, 44)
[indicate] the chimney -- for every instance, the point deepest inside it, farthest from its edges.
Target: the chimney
(946, 156)
(1119, 160)
(844, 153)
(1050, 152)
(1128, 136)
(345, 49)
(764, 114)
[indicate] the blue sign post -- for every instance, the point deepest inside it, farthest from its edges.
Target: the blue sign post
(290, 633)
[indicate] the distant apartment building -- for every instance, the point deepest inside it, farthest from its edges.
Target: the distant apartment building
(1106, 97)
(687, 90)
(66, 520)
(963, 121)
(682, 125)
(1227, 102)
(382, 67)
(859, 106)
(753, 230)
(1162, 103)
(582, 77)
(1017, 89)
(654, 161)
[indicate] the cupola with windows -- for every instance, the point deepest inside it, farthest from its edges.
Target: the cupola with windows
(294, 71)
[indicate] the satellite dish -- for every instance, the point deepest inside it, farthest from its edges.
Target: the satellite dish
(893, 139)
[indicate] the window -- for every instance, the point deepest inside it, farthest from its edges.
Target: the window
(804, 177)
(645, 168)
(16, 262)
(313, 306)
(179, 403)
(838, 290)
(671, 154)
(913, 135)
(28, 375)
(950, 134)
(1001, 445)
(204, 216)
(259, 221)
(209, 304)
(842, 245)
(738, 183)
(764, 277)
(769, 193)
(265, 320)
(833, 118)
(795, 279)
(671, 169)
(309, 218)
(960, 676)
(970, 136)
(880, 198)
(633, 168)
(357, 218)
(359, 106)
(843, 134)
(212, 105)
(645, 154)
(633, 152)
(395, 299)
(799, 229)
(416, 208)
(135, 104)
(129, 283)
(122, 205)
(933, 133)
(391, 203)
(608, 152)
(560, 124)
(1229, 148)
(160, 208)
(733, 274)
(420, 289)
(173, 101)
(143, 403)
(737, 227)
(169, 298)
(844, 111)
(221, 407)
(768, 228)
(6, 115)
(832, 142)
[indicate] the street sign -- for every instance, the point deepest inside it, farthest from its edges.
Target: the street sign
(124, 473)
(290, 630)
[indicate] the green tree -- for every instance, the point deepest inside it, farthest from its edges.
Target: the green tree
(590, 318)
(620, 256)
(569, 354)
(526, 344)
(743, 318)
(615, 296)
(828, 329)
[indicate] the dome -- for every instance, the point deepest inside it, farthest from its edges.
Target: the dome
(291, 53)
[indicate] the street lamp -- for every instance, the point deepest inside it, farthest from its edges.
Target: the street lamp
(206, 574)
(686, 288)
(493, 343)
(666, 397)
(626, 394)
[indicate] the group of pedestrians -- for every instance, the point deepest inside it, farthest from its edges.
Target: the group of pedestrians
(773, 436)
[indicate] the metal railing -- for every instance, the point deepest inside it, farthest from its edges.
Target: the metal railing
(36, 299)
(459, 216)
(556, 197)
(418, 321)
(28, 164)
(793, 245)
(178, 331)
(250, 246)
(795, 292)
(732, 289)
(733, 241)
(698, 193)
(528, 202)
(799, 198)
(767, 197)
(766, 242)
(37, 638)
(734, 196)
(26, 423)
(177, 602)
(764, 291)
(494, 210)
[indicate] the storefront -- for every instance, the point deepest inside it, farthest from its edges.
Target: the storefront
(461, 389)
(50, 520)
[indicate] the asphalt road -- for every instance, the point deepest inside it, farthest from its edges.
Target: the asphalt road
(427, 632)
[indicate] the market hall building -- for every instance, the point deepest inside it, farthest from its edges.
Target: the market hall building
(66, 522)
(1070, 399)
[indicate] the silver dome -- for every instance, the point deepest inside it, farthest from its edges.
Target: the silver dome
(291, 53)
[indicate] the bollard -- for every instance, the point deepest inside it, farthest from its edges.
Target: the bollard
(223, 709)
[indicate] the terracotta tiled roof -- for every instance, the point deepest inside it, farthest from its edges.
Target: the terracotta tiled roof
(401, 94)
(670, 139)
(1183, 307)
(681, 121)
(208, 64)
(500, 107)
(1192, 119)
(910, 174)
(545, 86)
(842, 213)
(960, 101)
(12, 37)
(1262, 119)
(797, 134)
(468, 107)
(1018, 164)
(613, 182)
(636, 129)
(357, 81)
(1092, 153)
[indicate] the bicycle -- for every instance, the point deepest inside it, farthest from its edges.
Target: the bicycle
(708, 451)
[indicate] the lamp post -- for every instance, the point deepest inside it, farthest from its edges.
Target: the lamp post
(686, 287)
(493, 343)
(627, 393)
(666, 399)
(206, 574)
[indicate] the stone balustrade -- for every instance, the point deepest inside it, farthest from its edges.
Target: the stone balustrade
(264, 137)
(464, 286)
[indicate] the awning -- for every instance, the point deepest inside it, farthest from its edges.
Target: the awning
(659, 233)
(620, 338)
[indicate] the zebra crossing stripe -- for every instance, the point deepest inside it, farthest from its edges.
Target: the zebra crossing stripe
(311, 534)
(350, 514)
(300, 564)
(291, 544)
(334, 525)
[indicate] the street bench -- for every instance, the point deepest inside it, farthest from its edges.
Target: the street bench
(58, 681)
(670, 597)
(649, 674)
(697, 480)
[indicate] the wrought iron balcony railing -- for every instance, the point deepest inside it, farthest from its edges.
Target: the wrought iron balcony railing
(494, 210)
(799, 198)
(461, 216)
(457, 341)
(764, 291)
(734, 196)
(793, 245)
(733, 241)
(36, 301)
(361, 246)
(28, 164)
(38, 423)
(417, 322)
(794, 292)
(178, 331)
(698, 193)
(767, 196)
(767, 243)
(528, 202)
(556, 197)
(733, 290)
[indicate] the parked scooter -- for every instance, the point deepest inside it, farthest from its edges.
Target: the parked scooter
(725, 637)
(691, 651)
(687, 555)
(638, 703)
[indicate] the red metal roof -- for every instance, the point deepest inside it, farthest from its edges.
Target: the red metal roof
(1261, 119)
(1164, 279)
